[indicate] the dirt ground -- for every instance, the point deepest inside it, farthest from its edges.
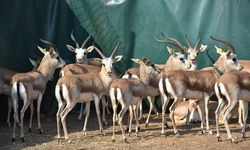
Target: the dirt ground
(149, 138)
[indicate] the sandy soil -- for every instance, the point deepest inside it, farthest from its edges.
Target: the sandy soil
(149, 138)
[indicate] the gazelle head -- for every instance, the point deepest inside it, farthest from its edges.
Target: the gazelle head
(51, 60)
(194, 51)
(177, 59)
(80, 52)
(108, 62)
(227, 61)
(147, 65)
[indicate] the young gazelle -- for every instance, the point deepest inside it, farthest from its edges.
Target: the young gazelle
(5, 88)
(195, 84)
(232, 88)
(72, 89)
(31, 85)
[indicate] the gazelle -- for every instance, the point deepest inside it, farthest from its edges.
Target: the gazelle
(195, 84)
(72, 89)
(5, 88)
(31, 85)
(124, 91)
(238, 89)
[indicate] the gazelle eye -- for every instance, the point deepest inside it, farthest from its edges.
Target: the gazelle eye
(181, 59)
(84, 53)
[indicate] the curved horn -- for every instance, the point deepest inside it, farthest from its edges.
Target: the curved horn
(172, 39)
(100, 53)
(230, 46)
(198, 42)
(116, 48)
(187, 41)
(74, 39)
(83, 44)
(174, 44)
(49, 43)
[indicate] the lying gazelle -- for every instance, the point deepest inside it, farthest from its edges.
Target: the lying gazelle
(72, 89)
(195, 84)
(5, 89)
(126, 92)
(31, 85)
(238, 89)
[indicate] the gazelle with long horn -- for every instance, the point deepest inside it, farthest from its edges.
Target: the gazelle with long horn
(31, 85)
(195, 84)
(72, 89)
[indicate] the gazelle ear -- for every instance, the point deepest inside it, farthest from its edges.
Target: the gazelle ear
(118, 58)
(136, 60)
(44, 51)
(33, 62)
(219, 50)
(170, 50)
(228, 52)
(95, 61)
(203, 48)
(90, 49)
(71, 48)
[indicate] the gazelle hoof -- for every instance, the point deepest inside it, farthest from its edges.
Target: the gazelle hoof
(30, 130)
(105, 122)
(243, 136)
(13, 139)
(113, 140)
(139, 128)
(210, 132)
(163, 134)
(233, 141)
(22, 139)
(125, 141)
(166, 125)
(40, 131)
(129, 133)
(8, 124)
(85, 133)
(146, 125)
(219, 139)
(177, 134)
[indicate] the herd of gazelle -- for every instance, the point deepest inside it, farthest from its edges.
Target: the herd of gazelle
(91, 79)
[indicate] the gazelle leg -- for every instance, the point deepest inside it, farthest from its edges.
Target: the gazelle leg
(97, 107)
(206, 97)
(87, 110)
(81, 112)
(15, 115)
(151, 100)
(25, 106)
(130, 119)
(120, 117)
(61, 105)
(171, 110)
(164, 105)
(135, 110)
(244, 114)
(39, 100)
(140, 109)
(114, 106)
(63, 115)
(232, 103)
(9, 111)
(31, 114)
(221, 104)
(103, 110)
